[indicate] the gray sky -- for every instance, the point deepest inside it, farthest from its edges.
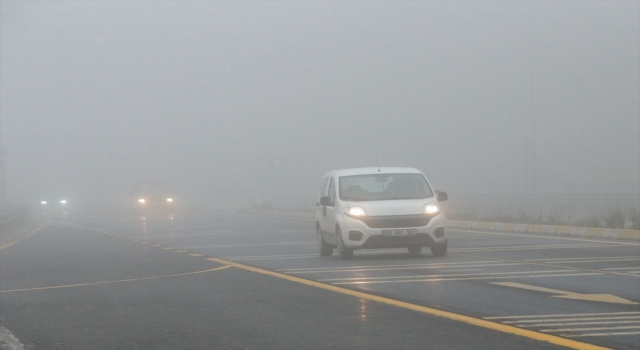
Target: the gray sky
(259, 99)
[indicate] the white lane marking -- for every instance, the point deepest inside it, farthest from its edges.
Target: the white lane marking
(467, 279)
(572, 323)
(590, 258)
(417, 267)
(248, 245)
(441, 276)
(628, 317)
(564, 315)
(622, 268)
(536, 247)
(349, 268)
(268, 257)
(588, 329)
(543, 236)
(608, 334)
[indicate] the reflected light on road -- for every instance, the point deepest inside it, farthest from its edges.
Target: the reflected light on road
(143, 222)
(363, 310)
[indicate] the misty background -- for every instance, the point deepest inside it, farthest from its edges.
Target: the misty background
(238, 104)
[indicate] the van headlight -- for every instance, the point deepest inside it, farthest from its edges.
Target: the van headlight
(431, 208)
(354, 210)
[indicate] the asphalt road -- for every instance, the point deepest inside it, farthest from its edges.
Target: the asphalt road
(231, 281)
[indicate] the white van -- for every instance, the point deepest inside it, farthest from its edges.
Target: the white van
(368, 208)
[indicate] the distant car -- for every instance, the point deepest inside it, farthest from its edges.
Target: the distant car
(369, 208)
(153, 203)
(152, 196)
(56, 207)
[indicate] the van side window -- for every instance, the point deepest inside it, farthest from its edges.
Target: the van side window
(323, 186)
(332, 192)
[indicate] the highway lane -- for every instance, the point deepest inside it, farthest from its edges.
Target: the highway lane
(535, 283)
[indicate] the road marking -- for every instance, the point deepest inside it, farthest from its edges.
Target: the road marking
(395, 267)
(596, 258)
(579, 319)
(29, 234)
(116, 281)
(156, 245)
(532, 247)
(588, 329)
(181, 251)
(550, 265)
(422, 309)
(565, 315)
(576, 323)
(548, 237)
(600, 334)
(439, 277)
(605, 298)
(196, 254)
(466, 278)
(249, 244)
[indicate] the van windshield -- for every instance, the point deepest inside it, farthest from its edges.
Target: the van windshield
(377, 187)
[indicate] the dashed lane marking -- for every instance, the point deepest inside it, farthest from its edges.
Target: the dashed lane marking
(423, 309)
(116, 281)
(29, 234)
(606, 242)
(250, 244)
(578, 325)
(551, 265)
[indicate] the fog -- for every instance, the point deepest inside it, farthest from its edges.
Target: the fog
(245, 103)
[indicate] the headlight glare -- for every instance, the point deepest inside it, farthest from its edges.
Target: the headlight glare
(141, 200)
(431, 208)
(353, 210)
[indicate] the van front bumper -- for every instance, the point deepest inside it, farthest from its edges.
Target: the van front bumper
(357, 233)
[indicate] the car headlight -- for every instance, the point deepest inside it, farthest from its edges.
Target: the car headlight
(141, 200)
(431, 208)
(43, 202)
(169, 200)
(353, 210)
(64, 201)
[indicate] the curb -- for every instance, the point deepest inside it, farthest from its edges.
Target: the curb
(591, 232)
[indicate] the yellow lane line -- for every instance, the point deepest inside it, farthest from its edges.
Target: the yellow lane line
(423, 309)
(29, 234)
(117, 281)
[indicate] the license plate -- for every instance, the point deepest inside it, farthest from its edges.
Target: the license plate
(403, 232)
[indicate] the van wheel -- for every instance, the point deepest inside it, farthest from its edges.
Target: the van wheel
(414, 249)
(323, 248)
(439, 249)
(344, 252)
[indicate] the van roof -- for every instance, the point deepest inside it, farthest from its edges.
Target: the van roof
(374, 170)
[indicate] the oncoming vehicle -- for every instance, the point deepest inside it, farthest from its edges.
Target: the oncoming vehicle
(369, 208)
(152, 197)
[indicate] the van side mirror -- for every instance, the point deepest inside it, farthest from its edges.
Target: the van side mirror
(441, 196)
(324, 201)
